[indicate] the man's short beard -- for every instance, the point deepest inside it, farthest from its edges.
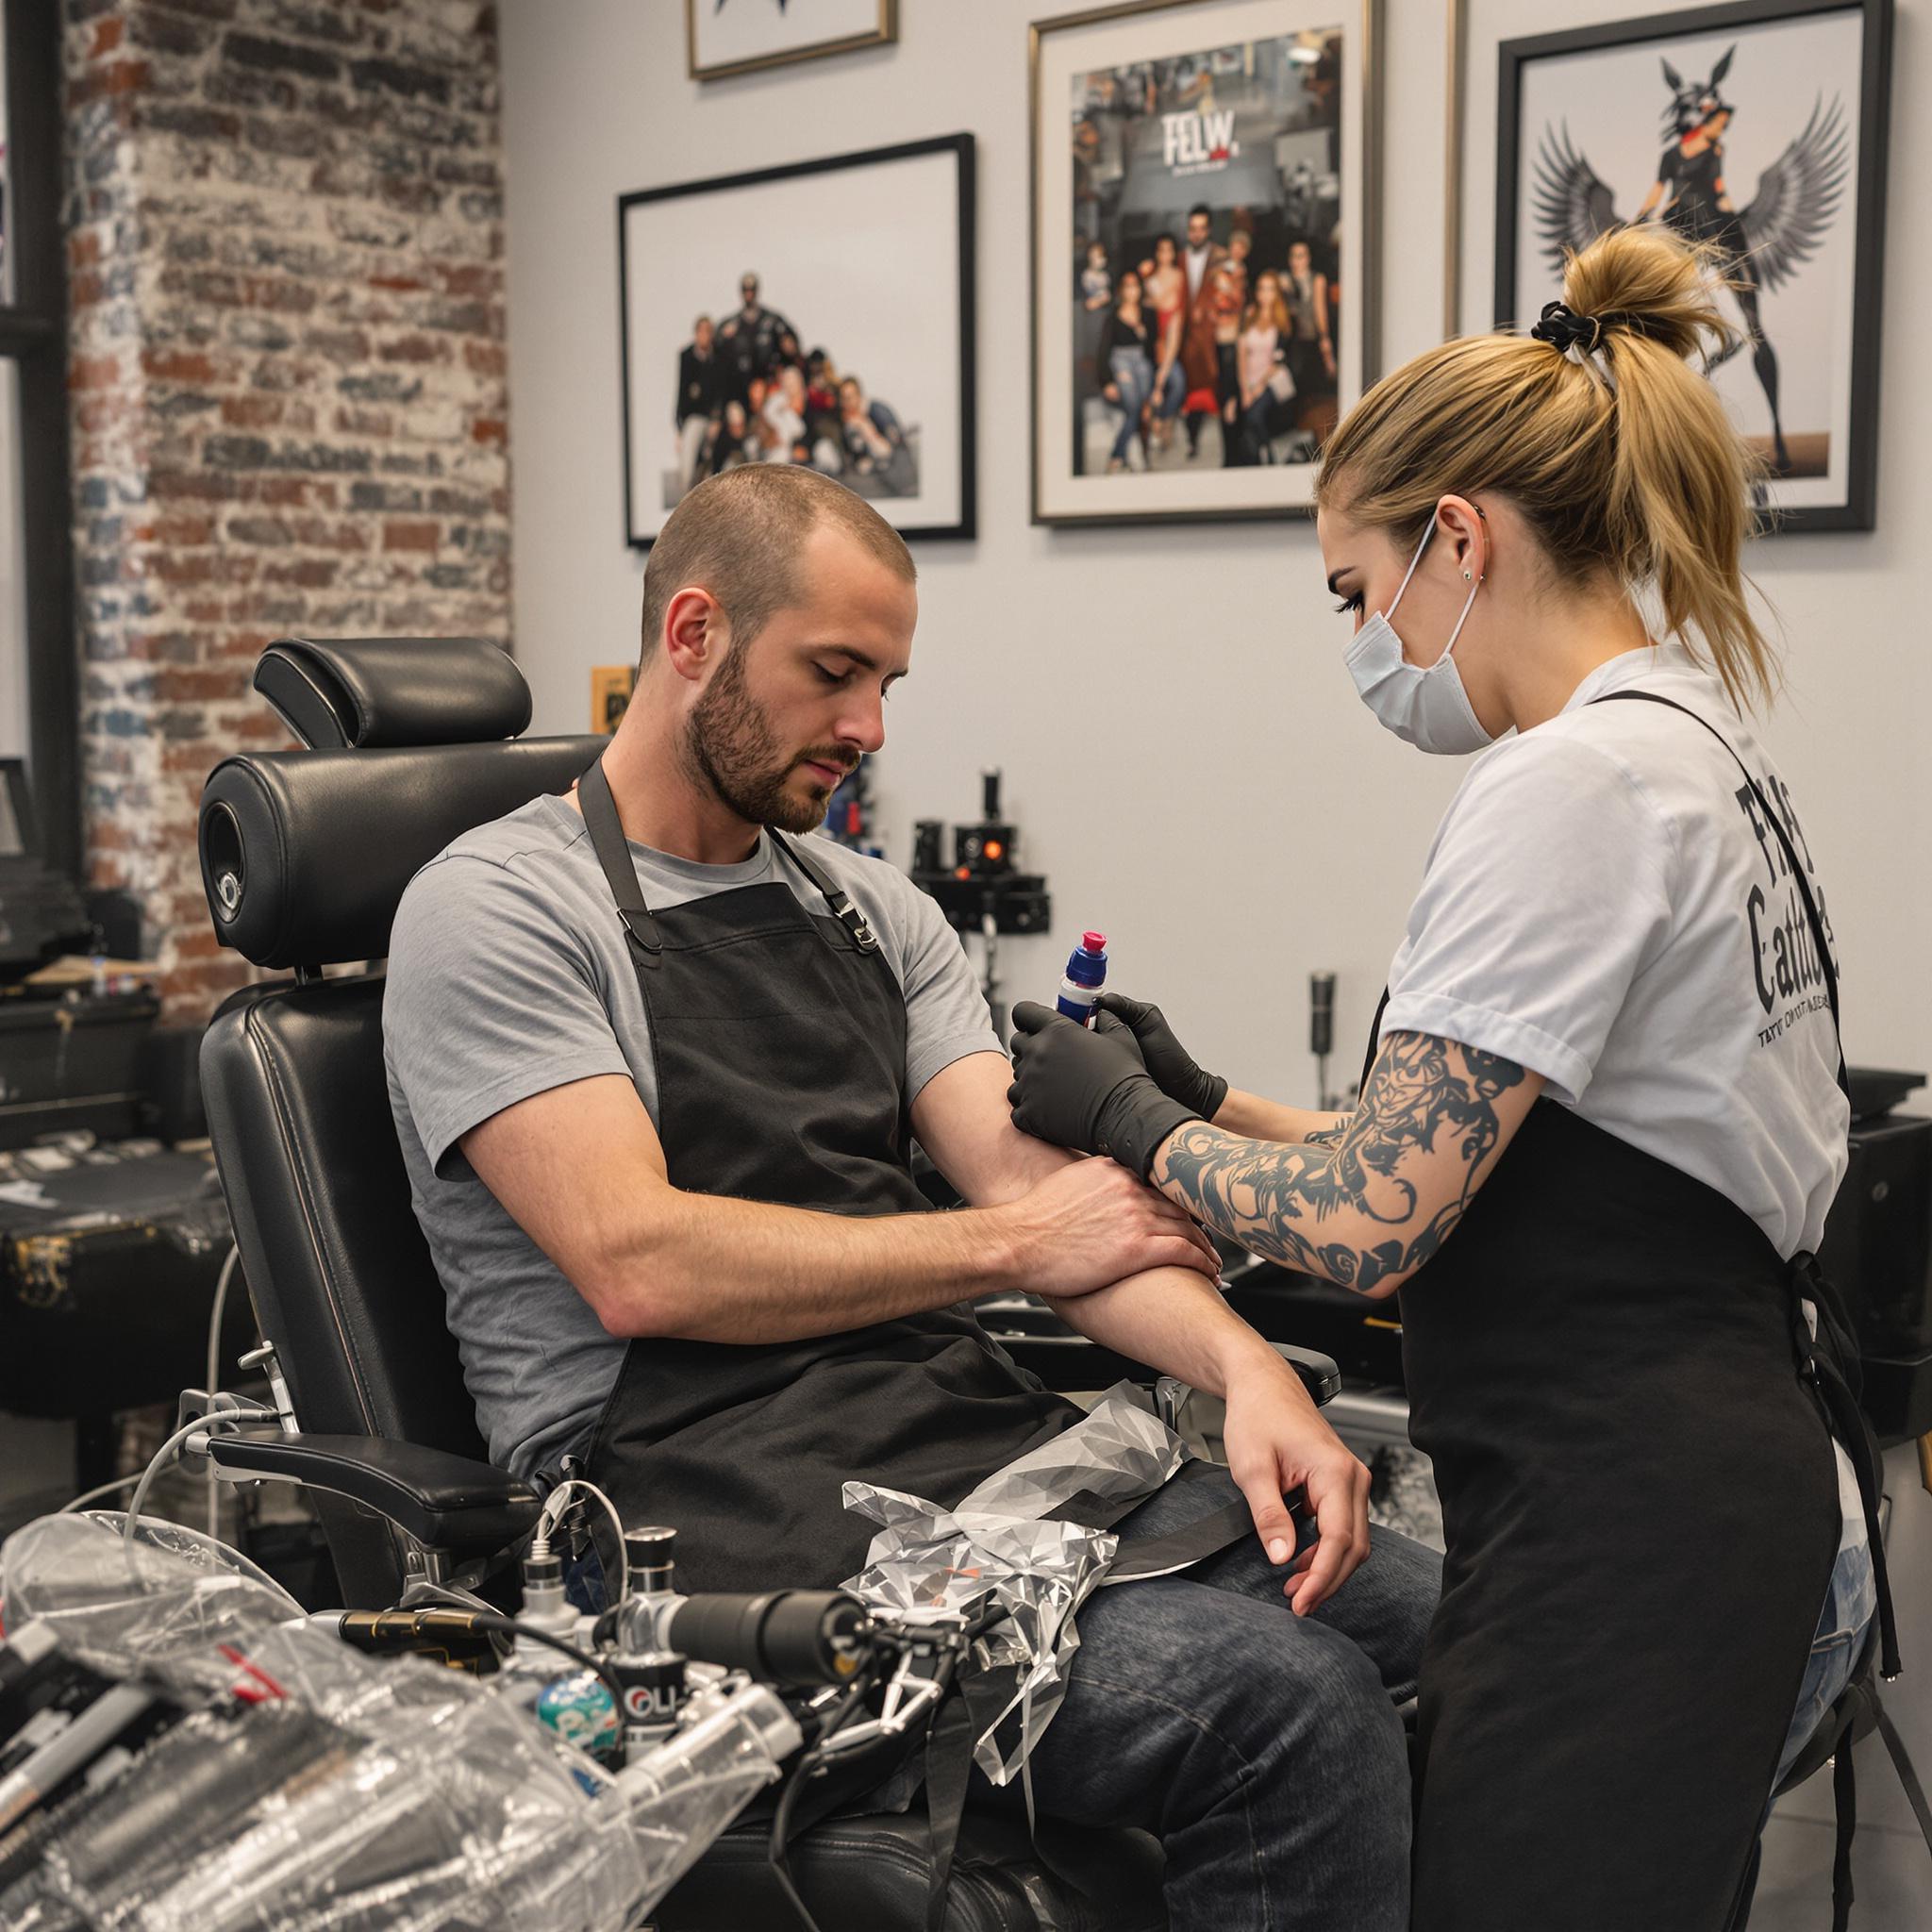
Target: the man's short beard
(728, 748)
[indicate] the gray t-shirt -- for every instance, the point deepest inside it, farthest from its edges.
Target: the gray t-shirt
(509, 974)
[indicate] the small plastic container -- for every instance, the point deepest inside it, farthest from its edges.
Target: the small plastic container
(1085, 977)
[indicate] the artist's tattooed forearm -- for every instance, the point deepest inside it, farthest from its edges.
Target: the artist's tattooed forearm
(1304, 1205)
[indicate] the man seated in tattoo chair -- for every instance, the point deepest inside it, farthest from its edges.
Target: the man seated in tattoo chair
(656, 1059)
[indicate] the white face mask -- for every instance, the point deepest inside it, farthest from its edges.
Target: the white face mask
(1427, 707)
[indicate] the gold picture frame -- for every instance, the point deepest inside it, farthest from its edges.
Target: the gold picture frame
(882, 34)
(611, 686)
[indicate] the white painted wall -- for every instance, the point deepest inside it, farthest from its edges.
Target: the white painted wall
(1182, 746)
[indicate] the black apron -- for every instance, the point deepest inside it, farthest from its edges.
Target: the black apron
(780, 1041)
(1630, 1428)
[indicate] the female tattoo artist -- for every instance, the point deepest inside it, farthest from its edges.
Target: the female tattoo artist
(1600, 1129)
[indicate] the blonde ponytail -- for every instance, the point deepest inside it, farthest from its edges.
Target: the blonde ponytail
(1621, 461)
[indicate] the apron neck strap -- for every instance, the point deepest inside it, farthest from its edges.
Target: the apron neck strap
(620, 870)
(843, 910)
(1825, 963)
(1375, 1040)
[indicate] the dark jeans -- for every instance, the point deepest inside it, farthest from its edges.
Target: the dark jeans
(1262, 1749)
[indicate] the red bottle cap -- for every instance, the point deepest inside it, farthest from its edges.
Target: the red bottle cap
(1093, 942)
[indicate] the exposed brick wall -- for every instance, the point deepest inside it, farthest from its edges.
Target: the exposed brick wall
(285, 231)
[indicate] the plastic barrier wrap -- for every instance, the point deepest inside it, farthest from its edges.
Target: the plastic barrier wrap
(997, 1545)
(685, 1792)
(348, 1793)
(160, 1607)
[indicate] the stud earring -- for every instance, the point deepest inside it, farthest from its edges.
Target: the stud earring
(1465, 576)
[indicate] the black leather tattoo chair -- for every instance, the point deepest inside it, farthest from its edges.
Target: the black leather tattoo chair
(304, 855)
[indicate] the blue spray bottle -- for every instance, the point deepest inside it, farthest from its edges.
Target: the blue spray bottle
(1086, 975)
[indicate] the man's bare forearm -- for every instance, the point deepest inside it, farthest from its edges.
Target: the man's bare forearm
(709, 1268)
(1176, 1322)
(580, 1170)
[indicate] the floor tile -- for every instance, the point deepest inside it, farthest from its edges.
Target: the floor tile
(1881, 1797)
(1890, 1871)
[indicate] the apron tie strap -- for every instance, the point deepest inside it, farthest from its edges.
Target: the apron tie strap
(1847, 1422)
(1844, 1800)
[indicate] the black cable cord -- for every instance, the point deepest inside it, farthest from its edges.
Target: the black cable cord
(494, 1620)
(781, 1865)
(806, 1769)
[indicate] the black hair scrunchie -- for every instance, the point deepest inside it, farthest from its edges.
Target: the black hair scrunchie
(1564, 330)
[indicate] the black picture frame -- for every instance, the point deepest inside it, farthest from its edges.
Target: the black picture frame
(962, 148)
(1860, 509)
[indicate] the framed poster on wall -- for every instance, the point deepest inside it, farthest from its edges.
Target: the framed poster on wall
(724, 37)
(1757, 130)
(1203, 239)
(818, 313)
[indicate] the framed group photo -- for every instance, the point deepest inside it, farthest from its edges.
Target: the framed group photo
(820, 313)
(726, 37)
(1757, 130)
(1203, 237)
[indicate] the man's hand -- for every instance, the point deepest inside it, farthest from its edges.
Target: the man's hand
(1175, 1069)
(1089, 1091)
(1088, 1224)
(1276, 1442)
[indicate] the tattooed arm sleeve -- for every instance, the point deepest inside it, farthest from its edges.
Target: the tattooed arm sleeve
(1368, 1211)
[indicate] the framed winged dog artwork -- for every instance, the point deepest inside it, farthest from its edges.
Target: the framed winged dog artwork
(1758, 132)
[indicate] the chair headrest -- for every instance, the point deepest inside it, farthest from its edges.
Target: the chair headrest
(370, 691)
(305, 854)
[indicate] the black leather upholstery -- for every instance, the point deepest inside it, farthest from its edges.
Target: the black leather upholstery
(305, 855)
(371, 692)
(450, 1502)
(870, 1874)
(337, 1267)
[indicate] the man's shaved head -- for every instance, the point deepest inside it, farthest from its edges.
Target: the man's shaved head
(741, 536)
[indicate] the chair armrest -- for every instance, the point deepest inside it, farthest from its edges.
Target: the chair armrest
(443, 1501)
(1044, 1345)
(1320, 1373)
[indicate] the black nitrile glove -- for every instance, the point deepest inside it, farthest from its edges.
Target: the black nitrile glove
(1174, 1070)
(1088, 1089)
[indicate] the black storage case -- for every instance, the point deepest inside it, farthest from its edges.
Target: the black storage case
(70, 1062)
(107, 1273)
(1877, 1247)
(1877, 1242)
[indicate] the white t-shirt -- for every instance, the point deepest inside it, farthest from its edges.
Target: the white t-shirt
(1604, 903)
